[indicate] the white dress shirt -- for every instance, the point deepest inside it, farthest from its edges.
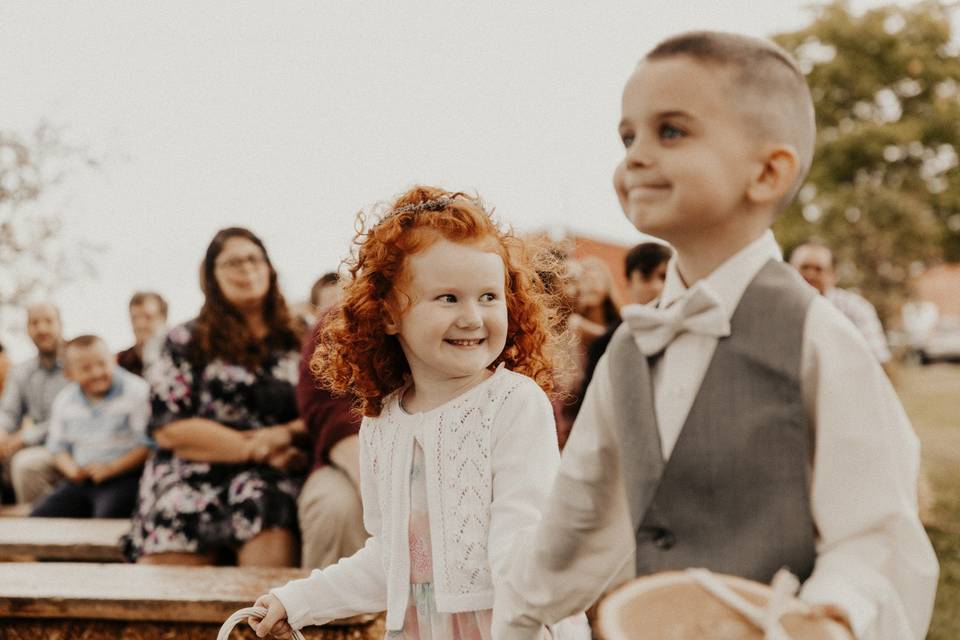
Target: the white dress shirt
(874, 559)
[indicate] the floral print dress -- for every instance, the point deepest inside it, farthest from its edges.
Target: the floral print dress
(422, 620)
(198, 507)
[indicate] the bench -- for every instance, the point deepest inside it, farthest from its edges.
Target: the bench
(91, 540)
(144, 602)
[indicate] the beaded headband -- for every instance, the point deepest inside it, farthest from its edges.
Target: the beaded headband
(436, 204)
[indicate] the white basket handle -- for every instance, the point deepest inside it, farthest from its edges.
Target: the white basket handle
(240, 617)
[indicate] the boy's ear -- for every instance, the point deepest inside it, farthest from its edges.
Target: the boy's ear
(780, 164)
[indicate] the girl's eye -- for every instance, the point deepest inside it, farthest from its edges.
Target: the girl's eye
(488, 297)
(447, 297)
(669, 132)
(627, 139)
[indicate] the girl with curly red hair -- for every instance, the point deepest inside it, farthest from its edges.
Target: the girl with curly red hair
(444, 337)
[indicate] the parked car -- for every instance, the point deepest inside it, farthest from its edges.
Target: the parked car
(942, 344)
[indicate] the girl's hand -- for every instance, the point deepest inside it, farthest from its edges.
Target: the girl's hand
(274, 624)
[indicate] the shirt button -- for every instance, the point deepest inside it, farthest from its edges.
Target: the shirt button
(664, 540)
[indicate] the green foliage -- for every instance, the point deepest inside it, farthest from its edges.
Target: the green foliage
(884, 189)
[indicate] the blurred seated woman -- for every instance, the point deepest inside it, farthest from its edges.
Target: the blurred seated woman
(225, 474)
(595, 309)
(597, 305)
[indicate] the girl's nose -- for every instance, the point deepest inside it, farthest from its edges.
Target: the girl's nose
(469, 317)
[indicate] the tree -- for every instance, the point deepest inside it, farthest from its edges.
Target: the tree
(35, 257)
(884, 189)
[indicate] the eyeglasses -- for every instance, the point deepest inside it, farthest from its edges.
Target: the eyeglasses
(236, 264)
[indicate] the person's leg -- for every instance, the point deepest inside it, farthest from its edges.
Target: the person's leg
(6, 487)
(117, 497)
(274, 547)
(33, 474)
(67, 500)
(331, 518)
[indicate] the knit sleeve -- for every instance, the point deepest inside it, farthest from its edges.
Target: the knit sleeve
(524, 461)
(352, 586)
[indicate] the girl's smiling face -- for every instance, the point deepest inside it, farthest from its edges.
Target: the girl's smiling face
(454, 325)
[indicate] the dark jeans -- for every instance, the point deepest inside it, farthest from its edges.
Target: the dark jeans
(114, 498)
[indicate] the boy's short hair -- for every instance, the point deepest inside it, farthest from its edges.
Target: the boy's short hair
(645, 258)
(141, 297)
(771, 88)
(84, 341)
(325, 280)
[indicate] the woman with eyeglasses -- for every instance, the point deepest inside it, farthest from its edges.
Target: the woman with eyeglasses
(223, 479)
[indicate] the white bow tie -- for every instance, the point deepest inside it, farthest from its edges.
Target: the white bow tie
(698, 311)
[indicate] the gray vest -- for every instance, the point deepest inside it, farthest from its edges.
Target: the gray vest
(734, 496)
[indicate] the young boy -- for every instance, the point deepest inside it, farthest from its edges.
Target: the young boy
(740, 424)
(97, 435)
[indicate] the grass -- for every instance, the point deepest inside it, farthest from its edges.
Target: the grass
(931, 396)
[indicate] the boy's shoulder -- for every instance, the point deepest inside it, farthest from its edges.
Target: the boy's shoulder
(68, 396)
(132, 383)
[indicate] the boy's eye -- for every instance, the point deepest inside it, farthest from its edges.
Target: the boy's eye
(627, 139)
(669, 132)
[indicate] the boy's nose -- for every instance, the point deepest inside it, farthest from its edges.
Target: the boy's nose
(639, 153)
(638, 156)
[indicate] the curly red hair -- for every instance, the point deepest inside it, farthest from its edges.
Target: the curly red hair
(355, 356)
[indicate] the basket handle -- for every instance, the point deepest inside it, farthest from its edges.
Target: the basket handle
(240, 616)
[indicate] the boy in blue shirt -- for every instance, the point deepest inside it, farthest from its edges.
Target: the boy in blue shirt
(97, 435)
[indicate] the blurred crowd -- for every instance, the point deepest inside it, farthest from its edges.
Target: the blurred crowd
(213, 435)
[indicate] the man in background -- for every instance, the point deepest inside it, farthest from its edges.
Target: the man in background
(25, 408)
(329, 507)
(148, 317)
(814, 261)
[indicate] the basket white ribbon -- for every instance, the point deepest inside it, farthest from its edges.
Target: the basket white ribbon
(766, 619)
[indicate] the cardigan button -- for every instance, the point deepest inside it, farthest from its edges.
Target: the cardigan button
(664, 540)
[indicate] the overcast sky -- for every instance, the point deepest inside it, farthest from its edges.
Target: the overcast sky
(288, 117)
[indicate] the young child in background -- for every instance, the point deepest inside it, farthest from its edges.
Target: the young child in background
(741, 424)
(97, 435)
(444, 336)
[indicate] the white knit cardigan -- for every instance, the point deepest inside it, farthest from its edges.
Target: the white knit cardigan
(490, 459)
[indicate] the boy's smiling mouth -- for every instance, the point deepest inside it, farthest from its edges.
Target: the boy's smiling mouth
(648, 189)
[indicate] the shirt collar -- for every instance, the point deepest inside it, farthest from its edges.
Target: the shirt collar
(730, 279)
(116, 388)
(53, 368)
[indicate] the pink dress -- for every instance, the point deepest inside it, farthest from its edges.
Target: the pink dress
(422, 620)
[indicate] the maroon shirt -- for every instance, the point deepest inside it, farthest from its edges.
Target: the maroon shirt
(129, 360)
(328, 418)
